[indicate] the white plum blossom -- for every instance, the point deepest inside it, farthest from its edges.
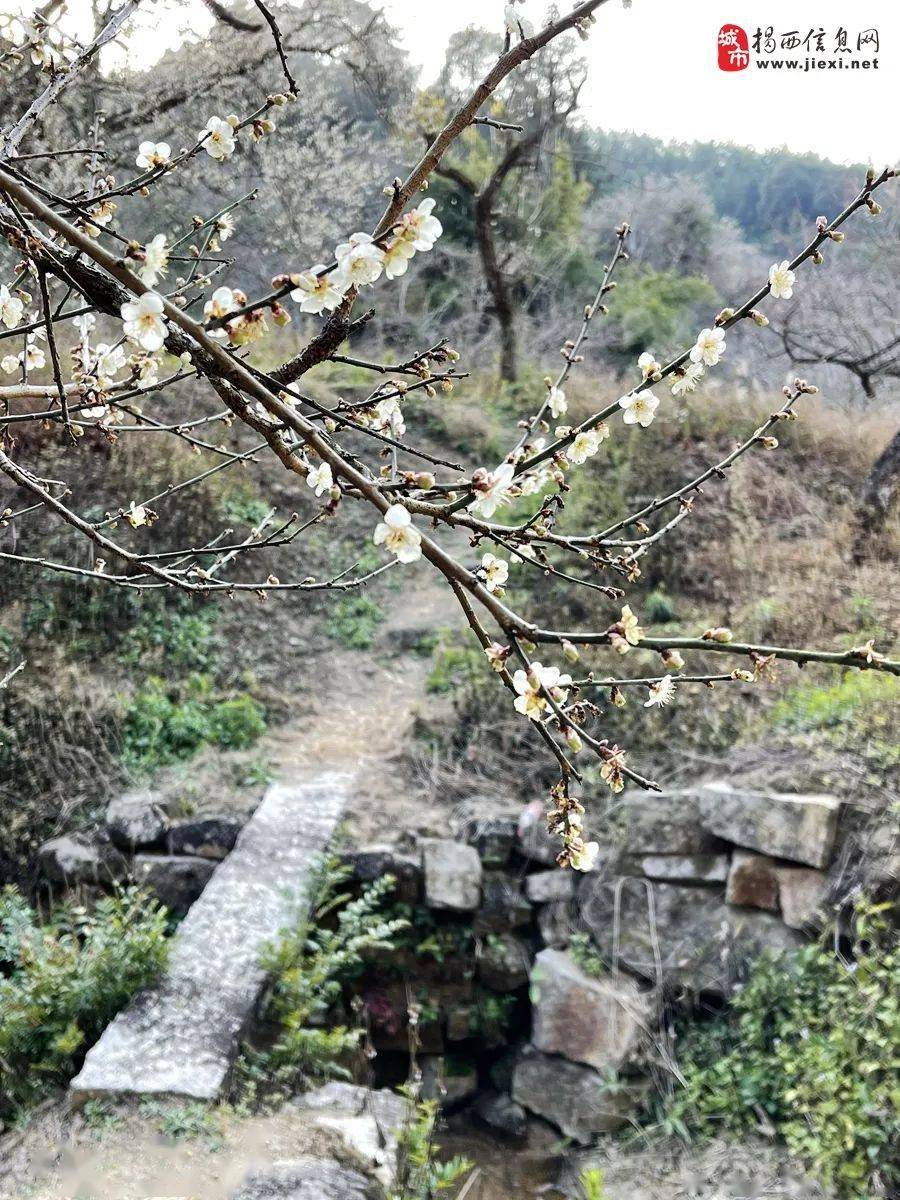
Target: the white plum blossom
(156, 260)
(153, 154)
(660, 693)
(648, 364)
(495, 571)
(147, 371)
(389, 415)
(397, 258)
(557, 402)
(225, 227)
(137, 515)
(587, 443)
(84, 323)
(220, 303)
(218, 139)
(639, 408)
(316, 292)
(398, 534)
(11, 308)
(709, 347)
(320, 479)
(99, 218)
(143, 321)
(531, 685)
(110, 360)
(493, 488)
(360, 261)
(585, 857)
(9, 364)
(781, 280)
(420, 227)
(33, 355)
(687, 383)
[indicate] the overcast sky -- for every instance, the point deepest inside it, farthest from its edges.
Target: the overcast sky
(653, 67)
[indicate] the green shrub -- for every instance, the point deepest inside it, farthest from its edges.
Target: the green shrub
(309, 967)
(419, 1175)
(165, 724)
(355, 622)
(860, 710)
(813, 1042)
(63, 982)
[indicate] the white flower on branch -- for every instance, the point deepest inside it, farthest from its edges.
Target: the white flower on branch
(33, 355)
(110, 360)
(137, 515)
(153, 154)
(660, 693)
(100, 217)
(420, 227)
(320, 479)
(630, 626)
(494, 488)
(9, 364)
(397, 258)
(648, 365)
(587, 443)
(220, 304)
(688, 380)
(11, 308)
(532, 685)
(781, 280)
(709, 347)
(389, 416)
(639, 408)
(584, 858)
(360, 261)
(84, 324)
(556, 400)
(143, 322)
(316, 292)
(495, 572)
(225, 227)
(156, 260)
(398, 534)
(218, 139)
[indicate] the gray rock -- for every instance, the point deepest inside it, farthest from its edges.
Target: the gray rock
(175, 880)
(181, 1037)
(547, 886)
(502, 1113)
(75, 860)
(679, 868)
(307, 1179)
(371, 863)
(532, 839)
(801, 892)
(503, 962)
(367, 1121)
(453, 875)
(576, 1099)
(449, 1088)
(753, 881)
(703, 944)
(800, 828)
(503, 907)
(136, 819)
(492, 836)
(664, 823)
(598, 1022)
(557, 923)
(206, 837)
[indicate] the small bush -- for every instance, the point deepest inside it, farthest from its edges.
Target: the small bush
(355, 622)
(860, 710)
(812, 1043)
(63, 982)
(166, 724)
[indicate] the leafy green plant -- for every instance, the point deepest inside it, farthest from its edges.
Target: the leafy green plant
(860, 709)
(310, 966)
(586, 956)
(185, 1122)
(591, 1183)
(355, 622)
(101, 1118)
(184, 638)
(63, 982)
(165, 724)
(420, 1176)
(812, 1042)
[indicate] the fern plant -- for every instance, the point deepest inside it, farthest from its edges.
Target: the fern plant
(419, 1175)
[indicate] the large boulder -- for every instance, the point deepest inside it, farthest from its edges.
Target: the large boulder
(664, 823)
(576, 1099)
(502, 1113)
(800, 828)
(367, 1122)
(206, 837)
(694, 938)
(545, 887)
(598, 1022)
(503, 962)
(175, 880)
(136, 820)
(801, 893)
(307, 1179)
(453, 875)
(75, 860)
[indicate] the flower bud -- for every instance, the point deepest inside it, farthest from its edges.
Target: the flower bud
(570, 651)
(673, 660)
(720, 634)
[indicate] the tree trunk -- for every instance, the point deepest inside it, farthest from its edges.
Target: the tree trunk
(882, 488)
(497, 285)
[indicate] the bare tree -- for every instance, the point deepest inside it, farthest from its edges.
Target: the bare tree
(76, 270)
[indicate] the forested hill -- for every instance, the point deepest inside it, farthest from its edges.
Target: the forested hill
(758, 190)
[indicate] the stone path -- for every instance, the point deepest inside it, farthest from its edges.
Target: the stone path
(181, 1037)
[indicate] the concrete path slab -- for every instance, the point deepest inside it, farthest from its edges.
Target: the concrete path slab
(181, 1037)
